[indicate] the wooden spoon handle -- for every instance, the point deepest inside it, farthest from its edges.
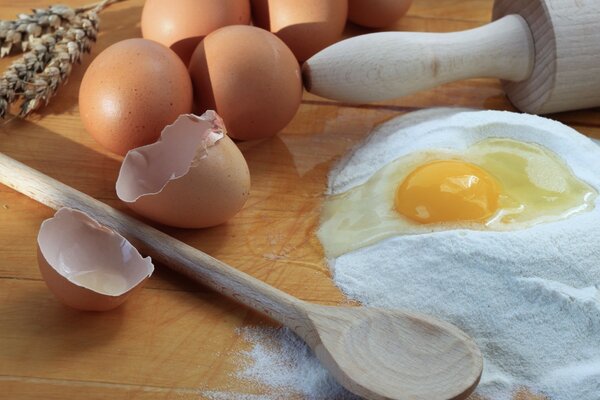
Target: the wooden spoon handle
(167, 250)
(387, 65)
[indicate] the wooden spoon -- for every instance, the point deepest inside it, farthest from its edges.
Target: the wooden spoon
(377, 354)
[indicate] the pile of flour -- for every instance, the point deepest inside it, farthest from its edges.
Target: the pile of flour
(529, 298)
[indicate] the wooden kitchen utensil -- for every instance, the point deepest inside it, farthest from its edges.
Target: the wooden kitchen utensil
(377, 354)
(547, 52)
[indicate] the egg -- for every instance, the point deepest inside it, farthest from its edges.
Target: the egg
(131, 91)
(487, 179)
(86, 265)
(377, 13)
(193, 177)
(306, 26)
(250, 77)
(182, 24)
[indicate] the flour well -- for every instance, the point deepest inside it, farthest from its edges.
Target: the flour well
(528, 297)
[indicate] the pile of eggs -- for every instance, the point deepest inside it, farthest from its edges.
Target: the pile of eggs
(171, 103)
(200, 56)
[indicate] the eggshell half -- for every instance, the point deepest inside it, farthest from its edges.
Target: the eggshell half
(72, 246)
(193, 177)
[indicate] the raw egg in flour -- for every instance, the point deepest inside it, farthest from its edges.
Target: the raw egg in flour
(496, 184)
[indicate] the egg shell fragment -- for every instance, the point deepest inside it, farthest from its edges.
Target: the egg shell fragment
(72, 245)
(250, 77)
(377, 13)
(131, 91)
(306, 26)
(182, 24)
(193, 177)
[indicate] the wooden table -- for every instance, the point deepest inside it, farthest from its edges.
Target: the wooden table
(175, 339)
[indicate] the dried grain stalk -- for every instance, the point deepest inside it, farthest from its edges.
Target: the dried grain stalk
(20, 32)
(35, 77)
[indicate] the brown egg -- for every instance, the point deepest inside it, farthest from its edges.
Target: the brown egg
(131, 91)
(306, 26)
(86, 265)
(250, 77)
(377, 13)
(181, 24)
(193, 177)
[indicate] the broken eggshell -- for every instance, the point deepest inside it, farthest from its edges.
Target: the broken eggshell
(86, 265)
(194, 176)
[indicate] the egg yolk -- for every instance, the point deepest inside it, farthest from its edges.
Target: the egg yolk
(448, 190)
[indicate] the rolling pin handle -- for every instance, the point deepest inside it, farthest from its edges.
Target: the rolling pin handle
(387, 65)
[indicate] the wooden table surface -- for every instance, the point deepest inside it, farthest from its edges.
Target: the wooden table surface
(175, 339)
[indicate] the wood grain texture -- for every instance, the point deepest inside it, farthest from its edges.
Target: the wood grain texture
(174, 339)
(379, 354)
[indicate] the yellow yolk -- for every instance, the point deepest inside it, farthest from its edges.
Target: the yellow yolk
(448, 190)
(496, 184)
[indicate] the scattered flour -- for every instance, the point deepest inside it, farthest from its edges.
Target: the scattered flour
(282, 362)
(214, 395)
(529, 298)
(283, 366)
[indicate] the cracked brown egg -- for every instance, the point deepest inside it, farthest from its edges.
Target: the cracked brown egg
(193, 177)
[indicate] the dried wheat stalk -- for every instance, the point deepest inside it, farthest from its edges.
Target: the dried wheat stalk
(35, 77)
(15, 79)
(28, 26)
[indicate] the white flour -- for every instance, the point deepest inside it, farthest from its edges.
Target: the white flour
(529, 298)
(282, 366)
(282, 362)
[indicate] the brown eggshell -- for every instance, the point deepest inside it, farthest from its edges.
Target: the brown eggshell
(250, 77)
(193, 177)
(71, 243)
(181, 24)
(131, 91)
(377, 13)
(306, 26)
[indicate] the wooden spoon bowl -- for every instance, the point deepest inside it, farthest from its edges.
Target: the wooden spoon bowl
(392, 354)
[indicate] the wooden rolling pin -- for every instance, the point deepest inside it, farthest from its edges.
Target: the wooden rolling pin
(547, 52)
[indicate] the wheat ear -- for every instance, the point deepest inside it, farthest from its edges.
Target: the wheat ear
(36, 76)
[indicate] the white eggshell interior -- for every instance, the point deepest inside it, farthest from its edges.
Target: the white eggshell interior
(74, 245)
(148, 169)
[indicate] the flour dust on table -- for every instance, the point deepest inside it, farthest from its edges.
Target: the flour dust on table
(282, 366)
